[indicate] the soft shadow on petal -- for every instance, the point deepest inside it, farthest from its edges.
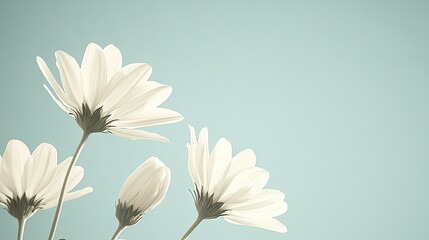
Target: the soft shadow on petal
(70, 76)
(94, 77)
(113, 60)
(269, 223)
(137, 134)
(69, 196)
(192, 160)
(152, 117)
(117, 91)
(54, 84)
(13, 164)
(219, 162)
(40, 170)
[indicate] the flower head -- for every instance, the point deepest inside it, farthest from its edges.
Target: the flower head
(232, 187)
(104, 96)
(142, 191)
(32, 181)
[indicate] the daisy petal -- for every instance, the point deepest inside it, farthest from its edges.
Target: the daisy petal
(192, 161)
(113, 60)
(40, 167)
(117, 91)
(244, 159)
(269, 224)
(13, 164)
(54, 187)
(59, 103)
(69, 196)
(70, 76)
(76, 176)
(146, 97)
(3, 189)
(53, 83)
(153, 117)
(137, 134)
(202, 154)
(244, 184)
(3, 200)
(260, 209)
(149, 164)
(94, 74)
(218, 164)
(163, 187)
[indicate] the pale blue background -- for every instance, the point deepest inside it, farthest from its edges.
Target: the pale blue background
(331, 95)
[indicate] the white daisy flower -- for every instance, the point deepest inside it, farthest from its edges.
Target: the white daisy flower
(231, 187)
(32, 181)
(141, 192)
(104, 96)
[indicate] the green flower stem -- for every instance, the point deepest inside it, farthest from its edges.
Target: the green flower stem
(199, 219)
(21, 226)
(82, 142)
(118, 231)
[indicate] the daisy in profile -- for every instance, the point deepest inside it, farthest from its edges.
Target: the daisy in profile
(104, 96)
(231, 187)
(32, 181)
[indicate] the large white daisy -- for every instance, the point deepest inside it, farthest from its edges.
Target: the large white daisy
(32, 181)
(105, 96)
(231, 187)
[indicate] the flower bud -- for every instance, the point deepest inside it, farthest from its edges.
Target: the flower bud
(142, 191)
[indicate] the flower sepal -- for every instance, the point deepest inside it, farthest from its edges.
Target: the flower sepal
(206, 206)
(126, 214)
(22, 207)
(92, 122)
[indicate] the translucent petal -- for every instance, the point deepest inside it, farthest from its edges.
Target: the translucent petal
(202, 155)
(40, 169)
(146, 97)
(113, 60)
(54, 84)
(70, 76)
(147, 166)
(269, 224)
(244, 184)
(151, 117)
(218, 164)
(68, 196)
(13, 163)
(244, 159)
(94, 74)
(59, 103)
(137, 134)
(192, 160)
(118, 90)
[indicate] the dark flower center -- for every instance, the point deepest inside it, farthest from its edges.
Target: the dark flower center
(92, 122)
(206, 206)
(22, 207)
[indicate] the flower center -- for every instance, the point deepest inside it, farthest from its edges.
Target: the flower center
(22, 207)
(92, 122)
(206, 206)
(127, 215)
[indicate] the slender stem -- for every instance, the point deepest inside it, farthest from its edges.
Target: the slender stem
(21, 226)
(118, 231)
(82, 142)
(199, 219)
